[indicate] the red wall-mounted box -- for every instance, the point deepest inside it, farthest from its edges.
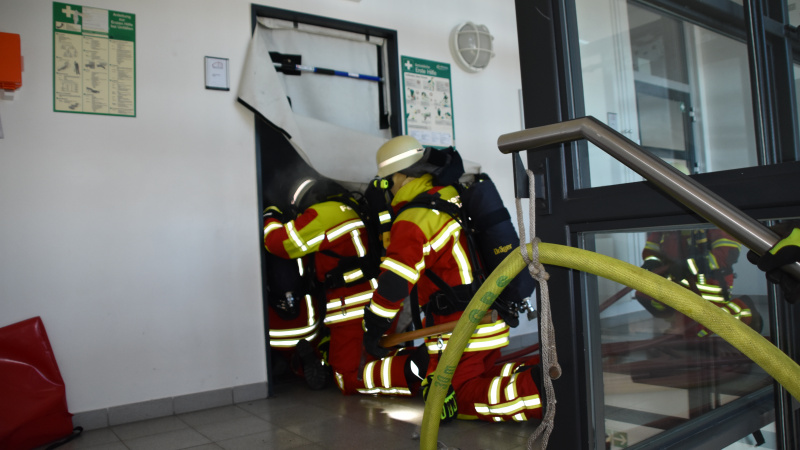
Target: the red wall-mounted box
(10, 62)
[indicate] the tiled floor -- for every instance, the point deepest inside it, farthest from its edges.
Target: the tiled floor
(298, 418)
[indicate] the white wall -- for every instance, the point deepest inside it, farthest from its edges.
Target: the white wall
(136, 239)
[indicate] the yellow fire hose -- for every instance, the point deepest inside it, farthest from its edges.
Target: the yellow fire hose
(753, 345)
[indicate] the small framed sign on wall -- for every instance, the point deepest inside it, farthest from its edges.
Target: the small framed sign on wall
(217, 73)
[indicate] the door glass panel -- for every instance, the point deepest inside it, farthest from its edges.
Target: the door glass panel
(797, 86)
(764, 439)
(661, 368)
(678, 90)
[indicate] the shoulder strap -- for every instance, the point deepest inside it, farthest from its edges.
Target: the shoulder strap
(369, 264)
(435, 201)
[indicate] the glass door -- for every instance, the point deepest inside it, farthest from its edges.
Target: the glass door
(684, 81)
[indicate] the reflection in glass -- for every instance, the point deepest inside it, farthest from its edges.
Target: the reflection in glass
(794, 12)
(661, 368)
(797, 85)
(678, 90)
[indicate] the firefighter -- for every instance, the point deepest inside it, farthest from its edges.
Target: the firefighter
(295, 322)
(427, 247)
(702, 261)
(331, 230)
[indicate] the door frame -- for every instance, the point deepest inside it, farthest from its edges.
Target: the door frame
(264, 131)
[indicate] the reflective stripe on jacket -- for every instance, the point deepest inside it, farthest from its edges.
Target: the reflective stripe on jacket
(422, 239)
(331, 226)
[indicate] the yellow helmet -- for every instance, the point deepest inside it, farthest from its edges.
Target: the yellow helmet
(397, 154)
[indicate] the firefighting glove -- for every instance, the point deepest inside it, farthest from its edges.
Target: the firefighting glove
(652, 264)
(450, 406)
(273, 212)
(786, 251)
(654, 307)
(416, 365)
(374, 326)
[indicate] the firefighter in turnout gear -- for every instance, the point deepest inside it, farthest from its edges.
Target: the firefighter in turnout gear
(295, 325)
(334, 233)
(428, 252)
(702, 261)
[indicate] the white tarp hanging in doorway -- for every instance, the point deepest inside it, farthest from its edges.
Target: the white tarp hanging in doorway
(334, 121)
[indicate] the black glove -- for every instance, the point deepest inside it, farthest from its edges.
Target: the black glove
(374, 326)
(506, 312)
(450, 406)
(654, 307)
(786, 251)
(273, 212)
(652, 264)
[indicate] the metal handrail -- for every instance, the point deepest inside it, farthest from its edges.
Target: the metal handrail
(687, 191)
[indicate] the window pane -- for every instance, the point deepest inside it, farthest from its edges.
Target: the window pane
(661, 368)
(678, 90)
(794, 12)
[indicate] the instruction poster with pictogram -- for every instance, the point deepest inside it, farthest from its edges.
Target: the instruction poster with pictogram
(428, 102)
(94, 60)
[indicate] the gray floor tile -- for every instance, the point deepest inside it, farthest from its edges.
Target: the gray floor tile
(340, 429)
(221, 414)
(489, 437)
(148, 427)
(275, 439)
(92, 439)
(325, 428)
(306, 414)
(266, 406)
(298, 418)
(171, 440)
(242, 426)
(111, 446)
(385, 443)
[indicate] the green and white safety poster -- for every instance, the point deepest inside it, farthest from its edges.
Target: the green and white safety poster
(94, 60)
(428, 101)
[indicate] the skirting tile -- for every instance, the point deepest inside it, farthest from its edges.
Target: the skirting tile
(249, 392)
(134, 412)
(91, 420)
(202, 400)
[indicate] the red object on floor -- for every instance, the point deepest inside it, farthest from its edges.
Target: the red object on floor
(33, 401)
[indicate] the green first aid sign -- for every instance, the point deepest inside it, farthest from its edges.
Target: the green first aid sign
(428, 102)
(94, 60)
(68, 18)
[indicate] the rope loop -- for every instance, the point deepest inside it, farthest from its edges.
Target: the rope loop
(547, 332)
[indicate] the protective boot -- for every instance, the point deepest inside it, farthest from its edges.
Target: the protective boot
(315, 372)
(416, 367)
(537, 373)
(450, 405)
